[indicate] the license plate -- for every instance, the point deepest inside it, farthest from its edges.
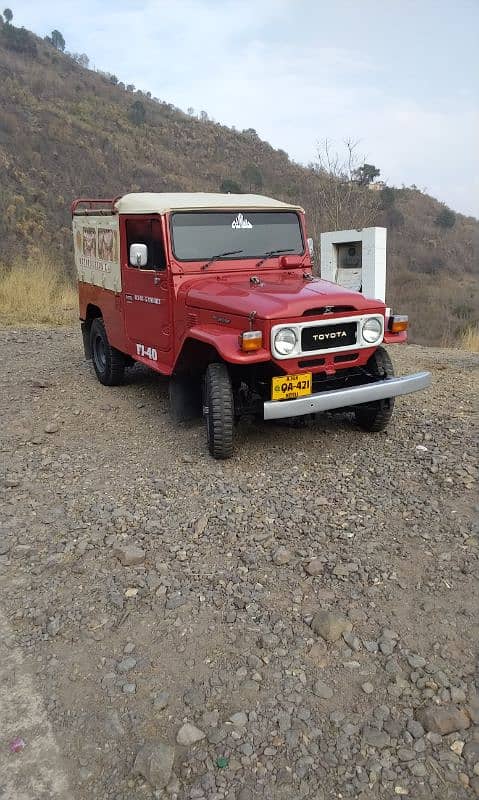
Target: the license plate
(289, 387)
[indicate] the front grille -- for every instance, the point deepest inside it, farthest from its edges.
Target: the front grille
(326, 337)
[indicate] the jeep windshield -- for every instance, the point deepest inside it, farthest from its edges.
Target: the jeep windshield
(200, 236)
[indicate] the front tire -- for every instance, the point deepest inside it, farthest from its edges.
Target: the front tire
(108, 362)
(218, 410)
(375, 417)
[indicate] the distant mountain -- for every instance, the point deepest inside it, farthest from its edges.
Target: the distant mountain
(67, 131)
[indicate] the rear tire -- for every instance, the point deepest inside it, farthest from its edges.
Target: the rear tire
(375, 417)
(218, 410)
(108, 362)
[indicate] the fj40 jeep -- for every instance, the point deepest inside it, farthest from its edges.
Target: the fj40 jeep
(217, 292)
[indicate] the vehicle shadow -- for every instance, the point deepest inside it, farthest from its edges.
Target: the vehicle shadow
(149, 392)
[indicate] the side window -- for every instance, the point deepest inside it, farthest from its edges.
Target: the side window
(147, 231)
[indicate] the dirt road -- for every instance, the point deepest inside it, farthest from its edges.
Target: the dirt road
(299, 622)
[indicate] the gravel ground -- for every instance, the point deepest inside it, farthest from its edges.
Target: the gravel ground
(298, 622)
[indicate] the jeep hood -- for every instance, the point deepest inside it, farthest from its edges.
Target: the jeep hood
(279, 295)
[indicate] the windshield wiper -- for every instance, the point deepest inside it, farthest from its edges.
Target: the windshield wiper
(221, 255)
(272, 253)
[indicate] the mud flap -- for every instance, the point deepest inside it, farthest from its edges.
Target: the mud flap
(85, 332)
(185, 398)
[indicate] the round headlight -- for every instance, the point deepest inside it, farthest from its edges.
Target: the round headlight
(285, 341)
(372, 330)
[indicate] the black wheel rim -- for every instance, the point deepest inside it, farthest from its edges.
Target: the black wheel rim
(99, 352)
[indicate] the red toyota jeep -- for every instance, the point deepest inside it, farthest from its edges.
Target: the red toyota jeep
(217, 291)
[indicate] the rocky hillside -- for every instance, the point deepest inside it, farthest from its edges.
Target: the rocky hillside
(67, 131)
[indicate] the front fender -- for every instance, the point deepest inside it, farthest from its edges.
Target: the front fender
(226, 344)
(394, 338)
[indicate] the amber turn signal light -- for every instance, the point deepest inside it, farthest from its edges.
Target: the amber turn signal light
(251, 340)
(397, 323)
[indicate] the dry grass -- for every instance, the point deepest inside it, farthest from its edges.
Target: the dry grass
(36, 292)
(470, 340)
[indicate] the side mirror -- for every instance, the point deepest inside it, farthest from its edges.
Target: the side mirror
(311, 247)
(138, 255)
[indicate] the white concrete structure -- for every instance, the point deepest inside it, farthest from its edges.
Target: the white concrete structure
(356, 260)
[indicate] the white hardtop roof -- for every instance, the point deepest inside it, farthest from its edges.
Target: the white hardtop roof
(161, 202)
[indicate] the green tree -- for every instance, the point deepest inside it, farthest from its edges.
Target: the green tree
(394, 218)
(20, 40)
(8, 14)
(252, 177)
(57, 40)
(387, 196)
(230, 187)
(137, 113)
(365, 175)
(446, 218)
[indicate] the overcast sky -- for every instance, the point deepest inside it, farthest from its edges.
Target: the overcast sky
(401, 76)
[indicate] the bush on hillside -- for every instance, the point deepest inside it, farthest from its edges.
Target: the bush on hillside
(137, 113)
(432, 265)
(19, 40)
(252, 177)
(446, 218)
(394, 218)
(80, 58)
(230, 187)
(387, 197)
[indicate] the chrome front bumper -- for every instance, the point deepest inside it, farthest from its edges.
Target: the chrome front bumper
(342, 398)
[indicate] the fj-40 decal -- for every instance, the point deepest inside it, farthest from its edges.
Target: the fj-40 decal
(146, 352)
